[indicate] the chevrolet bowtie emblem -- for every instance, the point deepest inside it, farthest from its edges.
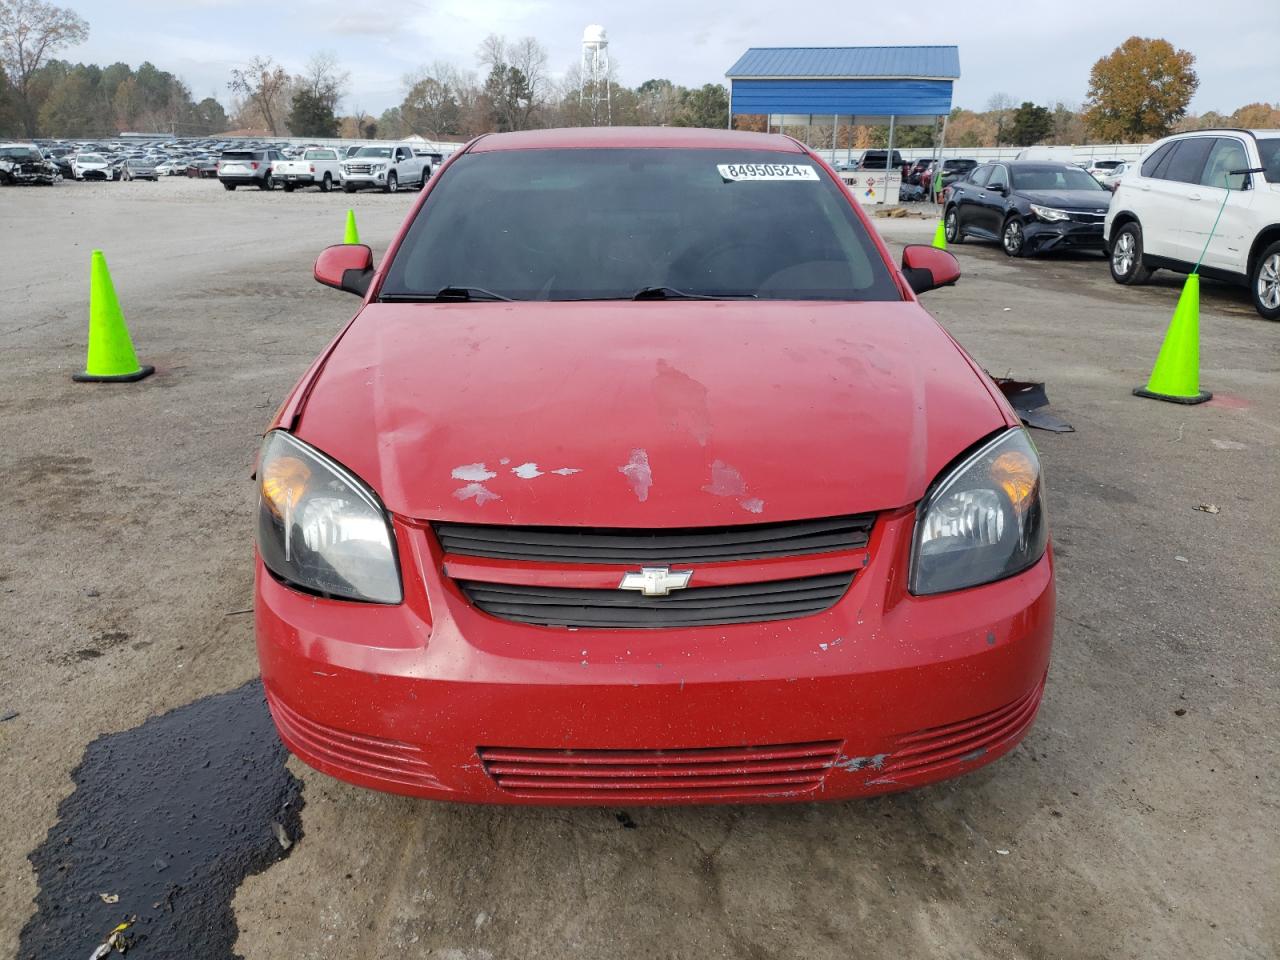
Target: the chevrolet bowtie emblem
(656, 581)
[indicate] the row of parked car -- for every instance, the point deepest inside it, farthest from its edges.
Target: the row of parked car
(925, 178)
(388, 167)
(1206, 202)
(235, 163)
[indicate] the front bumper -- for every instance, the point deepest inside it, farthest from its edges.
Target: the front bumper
(362, 181)
(1044, 237)
(880, 693)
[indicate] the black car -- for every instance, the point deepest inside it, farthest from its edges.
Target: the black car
(1030, 207)
(953, 170)
(879, 160)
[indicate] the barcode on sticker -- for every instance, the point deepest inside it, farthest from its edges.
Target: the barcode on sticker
(766, 171)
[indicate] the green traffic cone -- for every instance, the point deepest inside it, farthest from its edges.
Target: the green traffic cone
(1176, 375)
(111, 356)
(940, 237)
(352, 235)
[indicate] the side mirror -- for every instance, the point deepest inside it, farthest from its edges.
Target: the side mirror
(347, 266)
(927, 268)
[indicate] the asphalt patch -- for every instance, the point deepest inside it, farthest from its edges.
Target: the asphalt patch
(169, 818)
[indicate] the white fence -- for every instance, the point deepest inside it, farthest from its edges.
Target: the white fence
(1079, 154)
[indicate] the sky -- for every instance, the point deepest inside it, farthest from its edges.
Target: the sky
(1037, 50)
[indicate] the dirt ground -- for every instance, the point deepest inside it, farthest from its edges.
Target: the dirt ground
(1139, 818)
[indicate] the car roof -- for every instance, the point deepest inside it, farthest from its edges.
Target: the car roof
(602, 138)
(1218, 131)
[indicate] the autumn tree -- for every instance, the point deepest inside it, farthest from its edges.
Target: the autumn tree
(30, 32)
(1031, 124)
(967, 128)
(1257, 116)
(265, 85)
(1140, 90)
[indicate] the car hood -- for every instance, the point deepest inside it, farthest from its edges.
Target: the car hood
(1069, 199)
(673, 413)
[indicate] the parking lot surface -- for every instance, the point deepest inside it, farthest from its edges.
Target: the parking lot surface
(1138, 819)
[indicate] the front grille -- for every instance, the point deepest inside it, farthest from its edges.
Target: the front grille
(624, 609)
(358, 168)
(1081, 216)
(676, 545)
(621, 775)
(925, 750)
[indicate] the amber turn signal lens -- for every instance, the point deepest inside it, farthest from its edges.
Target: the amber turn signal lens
(284, 482)
(1014, 472)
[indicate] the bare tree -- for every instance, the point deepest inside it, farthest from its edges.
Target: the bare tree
(517, 84)
(31, 31)
(431, 101)
(324, 78)
(1000, 107)
(265, 85)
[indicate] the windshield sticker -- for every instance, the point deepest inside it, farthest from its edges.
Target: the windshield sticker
(766, 171)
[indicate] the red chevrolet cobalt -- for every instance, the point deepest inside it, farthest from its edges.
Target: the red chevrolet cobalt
(641, 476)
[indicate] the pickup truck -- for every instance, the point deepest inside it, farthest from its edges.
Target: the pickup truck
(318, 167)
(385, 167)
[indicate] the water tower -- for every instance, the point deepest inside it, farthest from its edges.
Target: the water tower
(594, 90)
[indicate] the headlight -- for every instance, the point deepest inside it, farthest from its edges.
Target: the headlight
(983, 521)
(1049, 214)
(320, 528)
(378, 167)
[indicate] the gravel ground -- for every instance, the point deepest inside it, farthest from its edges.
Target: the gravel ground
(1138, 819)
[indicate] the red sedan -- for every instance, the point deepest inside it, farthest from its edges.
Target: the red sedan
(641, 476)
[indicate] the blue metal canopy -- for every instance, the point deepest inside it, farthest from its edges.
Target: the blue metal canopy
(845, 81)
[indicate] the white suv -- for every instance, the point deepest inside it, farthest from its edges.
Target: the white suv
(1165, 207)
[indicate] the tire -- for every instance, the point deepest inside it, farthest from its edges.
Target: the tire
(1013, 239)
(228, 186)
(267, 183)
(1126, 256)
(951, 225)
(326, 184)
(393, 183)
(1264, 282)
(288, 187)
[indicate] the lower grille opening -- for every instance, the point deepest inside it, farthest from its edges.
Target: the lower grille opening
(650, 774)
(926, 750)
(624, 609)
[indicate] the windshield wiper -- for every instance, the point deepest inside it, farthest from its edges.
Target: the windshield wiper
(671, 293)
(445, 295)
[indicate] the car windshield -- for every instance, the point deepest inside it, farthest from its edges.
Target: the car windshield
(1269, 150)
(374, 152)
(1063, 177)
(610, 223)
(90, 158)
(19, 153)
